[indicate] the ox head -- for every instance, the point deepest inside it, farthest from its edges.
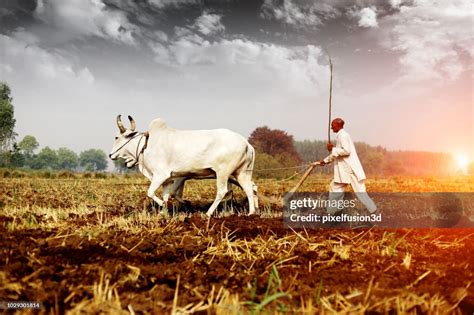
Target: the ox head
(124, 147)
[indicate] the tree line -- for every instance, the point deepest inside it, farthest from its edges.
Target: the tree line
(277, 149)
(23, 154)
(377, 160)
(278, 154)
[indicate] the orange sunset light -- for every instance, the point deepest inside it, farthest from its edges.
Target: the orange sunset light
(462, 162)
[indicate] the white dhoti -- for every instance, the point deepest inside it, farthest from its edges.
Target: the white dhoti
(337, 190)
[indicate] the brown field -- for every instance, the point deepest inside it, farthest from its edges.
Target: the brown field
(87, 245)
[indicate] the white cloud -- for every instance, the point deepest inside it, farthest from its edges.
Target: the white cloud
(434, 38)
(182, 31)
(367, 17)
(85, 18)
(296, 67)
(52, 91)
(161, 36)
(239, 84)
(290, 13)
(22, 55)
(26, 37)
(162, 54)
(305, 13)
(395, 3)
(193, 49)
(208, 24)
(176, 3)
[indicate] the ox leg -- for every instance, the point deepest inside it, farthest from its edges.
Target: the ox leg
(245, 180)
(174, 189)
(167, 191)
(255, 195)
(155, 184)
(221, 182)
(179, 184)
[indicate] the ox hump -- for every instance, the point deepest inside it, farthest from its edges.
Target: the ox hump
(157, 124)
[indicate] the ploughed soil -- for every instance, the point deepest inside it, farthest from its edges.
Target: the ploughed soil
(59, 267)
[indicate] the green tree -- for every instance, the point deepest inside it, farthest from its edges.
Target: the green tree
(46, 159)
(7, 120)
(17, 159)
(265, 161)
(28, 145)
(67, 159)
(93, 160)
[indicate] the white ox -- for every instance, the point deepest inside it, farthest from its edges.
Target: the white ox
(171, 156)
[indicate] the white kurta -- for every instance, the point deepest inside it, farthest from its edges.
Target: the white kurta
(347, 170)
(346, 161)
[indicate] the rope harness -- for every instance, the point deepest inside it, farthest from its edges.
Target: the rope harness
(145, 135)
(124, 144)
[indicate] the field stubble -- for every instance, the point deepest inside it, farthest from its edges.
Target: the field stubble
(92, 245)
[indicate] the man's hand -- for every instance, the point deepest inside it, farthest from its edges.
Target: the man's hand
(322, 163)
(329, 146)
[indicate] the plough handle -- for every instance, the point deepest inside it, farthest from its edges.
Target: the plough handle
(303, 178)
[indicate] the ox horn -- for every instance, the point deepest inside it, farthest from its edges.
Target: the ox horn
(132, 123)
(120, 124)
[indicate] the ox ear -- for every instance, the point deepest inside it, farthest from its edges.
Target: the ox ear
(132, 123)
(120, 124)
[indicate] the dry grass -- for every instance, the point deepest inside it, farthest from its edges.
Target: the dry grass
(96, 245)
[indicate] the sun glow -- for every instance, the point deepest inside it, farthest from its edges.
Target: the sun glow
(462, 162)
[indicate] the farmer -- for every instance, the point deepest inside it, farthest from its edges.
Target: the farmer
(347, 168)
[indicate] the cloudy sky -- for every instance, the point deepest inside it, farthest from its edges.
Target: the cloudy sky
(403, 75)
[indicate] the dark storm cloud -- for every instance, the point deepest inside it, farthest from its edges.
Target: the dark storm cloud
(16, 12)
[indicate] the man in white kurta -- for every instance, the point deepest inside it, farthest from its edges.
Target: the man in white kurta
(347, 168)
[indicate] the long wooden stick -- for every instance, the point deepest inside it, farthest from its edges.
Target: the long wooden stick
(313, 165)
(306, 174)
(330, 99)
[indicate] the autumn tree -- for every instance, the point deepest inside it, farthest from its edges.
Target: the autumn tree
(274, 142)
(275, 152)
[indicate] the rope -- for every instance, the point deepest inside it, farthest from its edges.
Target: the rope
(291, 177)
(281, 168)
(125, 143)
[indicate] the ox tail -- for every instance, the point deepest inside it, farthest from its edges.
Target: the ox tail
(250, 158)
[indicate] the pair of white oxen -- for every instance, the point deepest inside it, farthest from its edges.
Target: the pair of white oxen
(168, 157)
